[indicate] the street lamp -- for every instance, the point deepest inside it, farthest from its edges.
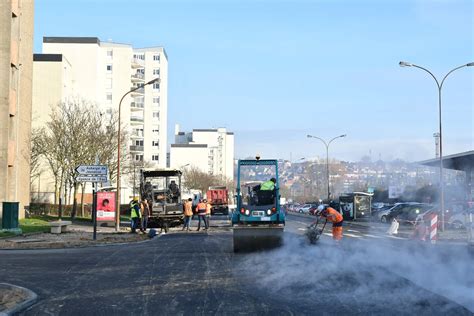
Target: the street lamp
(327, 155)
(117, 211)
(440, 86)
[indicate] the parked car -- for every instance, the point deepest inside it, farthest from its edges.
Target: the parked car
(313, 210)
(408, 213)
(383, 215)
(459, 220)
(378, 212)
(304, 209)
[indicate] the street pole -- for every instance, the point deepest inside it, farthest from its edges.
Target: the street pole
(440, 86)
(327, 157)
(117, 211)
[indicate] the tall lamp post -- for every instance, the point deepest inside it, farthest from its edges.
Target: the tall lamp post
(440, 86)
(117, 211)
(327, 155)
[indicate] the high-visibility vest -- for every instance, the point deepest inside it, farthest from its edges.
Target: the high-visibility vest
(133, 210)
(267, 186)
(188, 208)
(333, 215)
(201, 208)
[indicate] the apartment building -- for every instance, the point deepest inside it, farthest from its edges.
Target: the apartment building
(102, 72)
(210, 150)
(16, 49)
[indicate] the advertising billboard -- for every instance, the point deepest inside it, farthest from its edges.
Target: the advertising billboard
(105, 206)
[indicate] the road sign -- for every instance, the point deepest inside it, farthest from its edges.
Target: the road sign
(92, 169)
(92, 178)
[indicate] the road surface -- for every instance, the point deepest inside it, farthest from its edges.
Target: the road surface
(198, 273)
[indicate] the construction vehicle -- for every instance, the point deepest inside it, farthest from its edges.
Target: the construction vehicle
(217, 196)
(258, 221)
(162, 189)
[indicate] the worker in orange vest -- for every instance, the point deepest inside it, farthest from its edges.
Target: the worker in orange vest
(334, 217)
(188, 213)
(201, 211)
(208, 213)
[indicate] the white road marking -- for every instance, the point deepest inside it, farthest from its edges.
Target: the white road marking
(352, 235)
(328, 234)
(372, 236)
(354, 231)
(302, 229)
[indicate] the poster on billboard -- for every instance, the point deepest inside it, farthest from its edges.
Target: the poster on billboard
(105, 206)
(394, 191)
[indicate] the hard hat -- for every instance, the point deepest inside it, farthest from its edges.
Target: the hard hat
(321, 208)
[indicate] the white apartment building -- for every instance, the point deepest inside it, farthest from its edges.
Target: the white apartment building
(102, 72)
(210, 150)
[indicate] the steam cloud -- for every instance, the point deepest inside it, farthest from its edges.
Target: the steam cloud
(362, 277)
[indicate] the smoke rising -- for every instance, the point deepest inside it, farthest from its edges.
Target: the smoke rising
(361, 277)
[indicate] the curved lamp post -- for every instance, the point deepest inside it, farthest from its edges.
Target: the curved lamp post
(440, 86)
(327, 155)
(117, 214)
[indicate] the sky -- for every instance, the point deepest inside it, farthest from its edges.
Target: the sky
(274, 71)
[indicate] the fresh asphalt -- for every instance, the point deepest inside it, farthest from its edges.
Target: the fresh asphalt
(197, 273)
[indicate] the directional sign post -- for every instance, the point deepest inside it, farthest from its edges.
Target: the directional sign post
(92, 170)
(92, 179)
(93, 173)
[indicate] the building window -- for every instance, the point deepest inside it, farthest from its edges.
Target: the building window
(156, 86)
(156, 100)
(109, 68)
(155, 130)
(156, 57)
(156, 115)
(108, 83)
(154, 157)
(155, 143)
(138, 157)
(108, 97)
(139, 56)
(156, 71)
(110, 53)
(139, 142)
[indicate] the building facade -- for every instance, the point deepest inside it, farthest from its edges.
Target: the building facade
(16, 49)
(102, 72)
(210, 150)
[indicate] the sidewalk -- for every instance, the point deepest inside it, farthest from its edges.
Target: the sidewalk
(76, 236)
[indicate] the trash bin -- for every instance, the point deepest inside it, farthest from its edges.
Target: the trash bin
(10, 215)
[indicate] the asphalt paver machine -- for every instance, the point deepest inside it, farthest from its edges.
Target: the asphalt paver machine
(162, 190)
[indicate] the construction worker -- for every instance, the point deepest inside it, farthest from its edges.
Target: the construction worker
(188, 213)
(268, 185)
(201, 212)
(334, 217)
(208, 213)
(134, 214)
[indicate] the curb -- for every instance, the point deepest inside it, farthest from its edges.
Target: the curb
(32, 298)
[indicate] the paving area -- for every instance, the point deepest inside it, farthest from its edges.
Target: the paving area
(198, 273)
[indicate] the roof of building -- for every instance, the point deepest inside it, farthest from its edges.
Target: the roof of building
(48, 57)
(72, 40)
(205, 130)
(460, 161)
(189, 145)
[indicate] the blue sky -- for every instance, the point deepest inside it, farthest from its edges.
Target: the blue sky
(274, 71)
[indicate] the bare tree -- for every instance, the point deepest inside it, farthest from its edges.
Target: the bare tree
(194, 178)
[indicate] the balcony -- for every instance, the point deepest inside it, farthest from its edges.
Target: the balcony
(138, 63)
(138, 77)
(136, 148)
(137, 105)
(139, 91)
(136, 120)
